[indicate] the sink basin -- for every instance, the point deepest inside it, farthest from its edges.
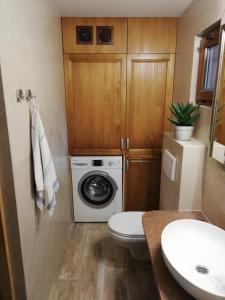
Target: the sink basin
(194, 252)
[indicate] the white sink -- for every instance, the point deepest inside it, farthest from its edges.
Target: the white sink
(194, 252)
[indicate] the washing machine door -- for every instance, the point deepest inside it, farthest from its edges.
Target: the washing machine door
(97, 188)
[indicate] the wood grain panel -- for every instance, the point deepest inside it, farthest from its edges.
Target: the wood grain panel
(142, 183)
(96, 95)
(6, 281)
(119, 35)
(220, 124)
(106, 270)
(204, 96)
(152, 35)
(149, 95)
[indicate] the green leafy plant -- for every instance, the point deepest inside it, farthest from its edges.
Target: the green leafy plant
(184, 114)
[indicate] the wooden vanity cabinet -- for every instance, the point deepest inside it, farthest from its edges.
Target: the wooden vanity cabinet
(142, 182)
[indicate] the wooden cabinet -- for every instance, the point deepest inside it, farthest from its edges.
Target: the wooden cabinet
(149, 95)
(119, 42)
(152, 35)
(96, 96)
(142, 183)
(118, 104)
(96, 102)
(130, 35)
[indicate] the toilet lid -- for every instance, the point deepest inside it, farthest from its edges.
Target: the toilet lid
(127, 223)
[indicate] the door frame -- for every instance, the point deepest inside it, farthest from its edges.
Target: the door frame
(6, 276)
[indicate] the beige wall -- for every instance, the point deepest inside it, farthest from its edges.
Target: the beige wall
(31, 57)
(200, 15)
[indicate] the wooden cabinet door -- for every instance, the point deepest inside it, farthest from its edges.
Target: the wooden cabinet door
(152, 35)
(149, 95)
(96, 96)
(142, 183)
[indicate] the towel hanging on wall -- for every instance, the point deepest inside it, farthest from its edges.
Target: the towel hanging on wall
(44, 171)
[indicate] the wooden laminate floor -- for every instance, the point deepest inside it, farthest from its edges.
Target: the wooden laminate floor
(96, 268)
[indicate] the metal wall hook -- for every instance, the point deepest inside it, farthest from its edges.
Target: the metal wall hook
(19, 95)
(28, 95)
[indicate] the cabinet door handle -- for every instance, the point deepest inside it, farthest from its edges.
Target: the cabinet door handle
(128, 143)
(127, 165)
(122, 143)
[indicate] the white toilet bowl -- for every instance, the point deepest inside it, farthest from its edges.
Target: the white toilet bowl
(127, 230)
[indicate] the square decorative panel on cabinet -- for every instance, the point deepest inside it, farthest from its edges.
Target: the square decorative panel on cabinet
(84, 35)
(109, 35)
(104, 35)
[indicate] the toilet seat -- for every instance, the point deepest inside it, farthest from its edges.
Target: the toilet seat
(127, 225)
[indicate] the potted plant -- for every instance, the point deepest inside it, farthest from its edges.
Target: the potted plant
(185, 116)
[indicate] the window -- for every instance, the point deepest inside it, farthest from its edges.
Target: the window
(208, 57)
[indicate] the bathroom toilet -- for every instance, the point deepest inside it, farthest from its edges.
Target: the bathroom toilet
(127, 230)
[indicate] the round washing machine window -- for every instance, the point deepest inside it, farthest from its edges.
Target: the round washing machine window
(97, 188)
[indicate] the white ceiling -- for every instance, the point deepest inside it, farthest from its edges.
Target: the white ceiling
(122, 8)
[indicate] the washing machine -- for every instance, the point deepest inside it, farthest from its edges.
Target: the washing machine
(97, 187)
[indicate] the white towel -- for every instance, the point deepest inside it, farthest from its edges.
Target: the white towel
(44, 171)
(218, 152)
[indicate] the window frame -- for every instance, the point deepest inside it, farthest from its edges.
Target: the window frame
(210, 38)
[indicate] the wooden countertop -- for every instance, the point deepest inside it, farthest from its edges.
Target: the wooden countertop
(153, 223)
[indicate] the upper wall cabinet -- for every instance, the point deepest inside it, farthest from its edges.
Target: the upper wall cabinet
(94, 35)
(152, 35)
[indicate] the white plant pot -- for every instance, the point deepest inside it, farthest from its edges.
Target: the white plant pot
(183, 133)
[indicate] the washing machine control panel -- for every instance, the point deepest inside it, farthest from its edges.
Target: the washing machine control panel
(111, 162)
(115, 163)
(104, 162)
(97, 163)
